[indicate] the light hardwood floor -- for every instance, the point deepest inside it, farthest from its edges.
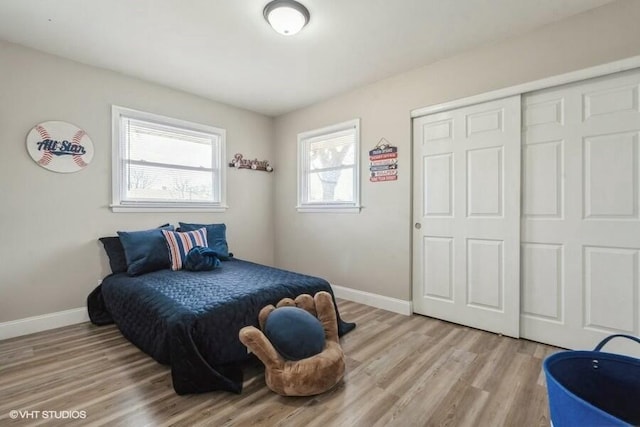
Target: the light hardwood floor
(401, 371)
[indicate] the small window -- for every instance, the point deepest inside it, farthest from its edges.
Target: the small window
(165, 164)
(328, 169)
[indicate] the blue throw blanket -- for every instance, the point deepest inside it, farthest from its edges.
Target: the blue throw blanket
(191, 319)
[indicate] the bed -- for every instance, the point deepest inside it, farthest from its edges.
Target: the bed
(190, 320)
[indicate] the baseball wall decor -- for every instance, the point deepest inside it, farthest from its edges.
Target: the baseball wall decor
(60, 146)
(239, 162)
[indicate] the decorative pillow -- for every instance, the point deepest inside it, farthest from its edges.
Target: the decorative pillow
(201, 259)
(295, 333)
(216, 237)
(115, 253)
(180, 243)
(146, 251)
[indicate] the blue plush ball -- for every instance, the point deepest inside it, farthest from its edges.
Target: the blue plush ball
(295, 333)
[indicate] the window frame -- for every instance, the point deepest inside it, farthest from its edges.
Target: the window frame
(119, 180)
(304, 141)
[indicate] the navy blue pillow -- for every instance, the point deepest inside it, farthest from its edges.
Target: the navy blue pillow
(115, 253)
(201, 259)
(146, 250)
(295, 333)
(216, 237)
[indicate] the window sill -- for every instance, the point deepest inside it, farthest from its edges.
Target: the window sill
(167, 208)
(329, 209)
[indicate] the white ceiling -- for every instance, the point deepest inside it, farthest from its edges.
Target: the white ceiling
(224, 49)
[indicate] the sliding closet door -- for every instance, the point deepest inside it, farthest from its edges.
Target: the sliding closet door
(581, 216)
(467, 215)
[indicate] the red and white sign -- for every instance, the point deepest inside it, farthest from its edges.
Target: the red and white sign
(60, 146)
(383, 162)
(383, 178)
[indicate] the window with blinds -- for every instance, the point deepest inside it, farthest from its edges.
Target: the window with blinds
(165, 163)
(328, 170)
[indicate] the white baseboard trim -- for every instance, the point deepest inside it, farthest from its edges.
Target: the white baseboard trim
(374, 300)
(30, 325)
(44, 322)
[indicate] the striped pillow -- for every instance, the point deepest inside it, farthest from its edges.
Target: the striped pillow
(181, 243)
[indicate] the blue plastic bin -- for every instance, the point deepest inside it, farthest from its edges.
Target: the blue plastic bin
(593, 388)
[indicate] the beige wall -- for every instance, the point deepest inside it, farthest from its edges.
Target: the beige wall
(50, 258)
(371, 251)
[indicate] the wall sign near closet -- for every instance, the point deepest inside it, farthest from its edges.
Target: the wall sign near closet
(383, 162)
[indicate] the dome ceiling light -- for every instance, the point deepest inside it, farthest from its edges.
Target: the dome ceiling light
(287, 17)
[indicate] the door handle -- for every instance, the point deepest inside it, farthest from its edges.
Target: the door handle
(418, 226)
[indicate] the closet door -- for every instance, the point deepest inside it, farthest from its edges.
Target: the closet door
(466, 237)
(580, 212)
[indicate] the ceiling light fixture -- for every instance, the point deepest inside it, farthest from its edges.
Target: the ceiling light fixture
(287, 17)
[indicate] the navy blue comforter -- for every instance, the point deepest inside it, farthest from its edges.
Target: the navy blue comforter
(190, 320)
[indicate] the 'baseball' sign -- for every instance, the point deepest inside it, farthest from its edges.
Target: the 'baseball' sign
(60, 146)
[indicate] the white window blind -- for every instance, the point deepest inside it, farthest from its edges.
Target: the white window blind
(328, 168)
(166, 163)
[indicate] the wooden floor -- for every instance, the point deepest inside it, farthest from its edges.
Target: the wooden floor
(401, 371)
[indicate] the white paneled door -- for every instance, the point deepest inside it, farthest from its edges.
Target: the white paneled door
(467, 215)
(580, 212)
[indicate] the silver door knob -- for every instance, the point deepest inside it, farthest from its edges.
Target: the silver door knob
(418, 226)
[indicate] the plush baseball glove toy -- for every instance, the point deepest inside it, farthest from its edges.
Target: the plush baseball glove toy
(298, 345)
